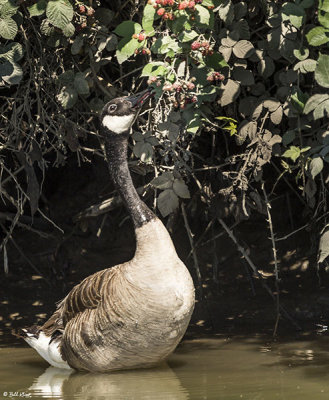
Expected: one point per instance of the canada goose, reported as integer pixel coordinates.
(131, 315)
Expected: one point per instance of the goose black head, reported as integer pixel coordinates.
(118, 114)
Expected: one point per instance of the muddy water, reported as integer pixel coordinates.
(207, 369)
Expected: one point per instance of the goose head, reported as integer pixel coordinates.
(119, 114)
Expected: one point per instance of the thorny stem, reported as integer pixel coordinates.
(275, 259)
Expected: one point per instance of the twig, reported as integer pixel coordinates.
(275, 259)
(255, 270)
(190, 236)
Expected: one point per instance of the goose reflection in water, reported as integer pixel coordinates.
(154, 384)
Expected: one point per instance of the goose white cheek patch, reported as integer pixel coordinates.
(118, 124)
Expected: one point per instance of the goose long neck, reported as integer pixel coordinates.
(116, 152)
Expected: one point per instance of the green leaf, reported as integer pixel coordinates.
(154, 69)
(12, 52)
(104, 15)
(59, 12)
(293, 13)
(323, 250)
(15, 77)
(80, 84)
(307, 3)
(66, 78)
(288, 137)
(8, 9)
(324, 19)
(216, 61)
(318, 36)
(226, 11)
(169, 129)
(202, 16)
(77, 45)
(243, 49)
(301, 54)
(187, 36)
(6, 68)
(322, 71)
(167, 202)
(144, 151)
(148, 19)
(181, 189)
(127, 29)
(305, 66)
(293, 153)
(266, 67)
(324, 5)
(46, 28)
(231, 91)
(8, 28)
(163, 181)
(298, 100)
(319, 104)
(244, 76)
(316, 166)
(126, 48)
(69, 30)
(38, 8)
(194, 124)
(67, 97)
(164, 44)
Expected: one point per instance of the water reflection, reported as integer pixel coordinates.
(159, 383)
(248, 368)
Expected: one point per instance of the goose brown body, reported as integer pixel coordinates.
(131, 315)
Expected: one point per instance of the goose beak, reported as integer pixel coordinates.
(139, 99)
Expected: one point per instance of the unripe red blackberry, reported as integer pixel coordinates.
(183, 5)
(90, 12)
(195, 45)
(82, 9)
(161, 11)
(141, 37)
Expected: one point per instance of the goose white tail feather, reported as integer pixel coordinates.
(48, 351)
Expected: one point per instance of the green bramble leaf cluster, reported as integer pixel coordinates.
(239, 84)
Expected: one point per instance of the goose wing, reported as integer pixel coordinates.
(86, 295)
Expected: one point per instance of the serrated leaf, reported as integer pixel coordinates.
(67, 97)
(127, 29)
(226, 11)
(38, 8)
(69, 30)
(293, 153)
(6, 68)
(77, 45)
(66, 78)
(104, 15)
(247, 129)
(164, 44)
(181, 189)
(316, 166)
(305, 66)
(8, 28)
(12, 52)
(317, 36)
(231, 91)
(293, 13)
(243, 49)
(276, 116)
(126, 48)
(244, 76)
(156, 68)
(301, 54)
(323, 251)
(46, 28)
(288, 137)
(202, 16)
(324, 5)
(187, 36)
(148, 19)
(266, 67)
(324, 19)
(319, 104)
(321, 73)
(167, 202)
(145, 151)
(8, 9)
(163, 181)
(169, 129)
(80, 84)
(59, 13)
(216, 61)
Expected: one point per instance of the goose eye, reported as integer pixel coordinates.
(112, 107)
